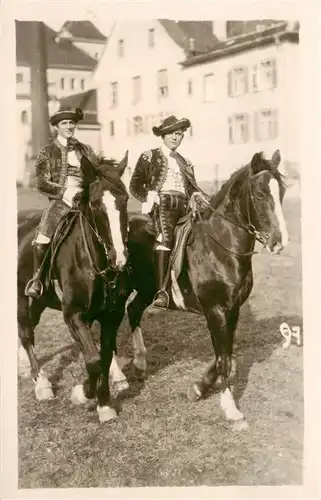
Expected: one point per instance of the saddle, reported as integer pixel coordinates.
(60, 234)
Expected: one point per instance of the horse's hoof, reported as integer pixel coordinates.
(106, 413)
(43, 389)
(239, 425)
(194, 393)
(140, 374)
(78, 396)
(121, 385)
(140, 364)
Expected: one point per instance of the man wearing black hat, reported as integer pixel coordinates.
(58, 176)
(164, 181)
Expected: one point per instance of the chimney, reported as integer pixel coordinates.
(219, 29)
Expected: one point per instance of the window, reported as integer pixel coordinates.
(237, 81)
(162, 83)
(19, 77)
(208, 87)
(112, 128)
(264, 75)
(62, 83)
(137, 89)
(138, 125)
(265, 125)
(151, 38)
(121, 48)
(72, 83)
(82, 84)
(96, 55)
(24, 116)
(189, 87)
(238, 129)
(114, 93)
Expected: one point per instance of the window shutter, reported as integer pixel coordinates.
(275, 123)
(274, 73)
(254, 78)
(246, 79)
(229, 83)
(230, 130)
(256, 126)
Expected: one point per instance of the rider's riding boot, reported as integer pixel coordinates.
(161, 298)
(34, 287)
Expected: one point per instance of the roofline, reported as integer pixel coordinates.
(264, 39)
(24, 64)
(87, 40)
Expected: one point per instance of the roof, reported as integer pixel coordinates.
(182, 31)
(87, 101)
(62, 54)
(270, 35)
(84, 30)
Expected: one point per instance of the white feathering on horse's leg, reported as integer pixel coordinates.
(78, 395)
(140, 350)
(23, 363)
(106, 413)
(117, 377)
(231, 412)
(43, 388)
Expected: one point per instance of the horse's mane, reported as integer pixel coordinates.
(105, 171)
(239, 177)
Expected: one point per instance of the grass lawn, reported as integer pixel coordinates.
(159, 438)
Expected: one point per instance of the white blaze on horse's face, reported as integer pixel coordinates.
(114, 221)
(275, 192)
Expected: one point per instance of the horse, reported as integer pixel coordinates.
(88, 280)
(216, 277)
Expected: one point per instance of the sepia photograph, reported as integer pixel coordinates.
(159, 306)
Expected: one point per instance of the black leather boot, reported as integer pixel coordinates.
(161, 298)
(34, 287)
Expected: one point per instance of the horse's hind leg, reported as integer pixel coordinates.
(28, 318)
(135, 310)
(81, 333)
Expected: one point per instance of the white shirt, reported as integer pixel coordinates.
(173, 179)
(72, 183)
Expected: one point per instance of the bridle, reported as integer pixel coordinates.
(110, 269)
(261, 237)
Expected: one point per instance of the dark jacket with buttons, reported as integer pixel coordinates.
(151, 171)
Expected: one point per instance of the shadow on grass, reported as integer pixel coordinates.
(173, 337)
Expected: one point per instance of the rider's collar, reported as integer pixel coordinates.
(62, 140)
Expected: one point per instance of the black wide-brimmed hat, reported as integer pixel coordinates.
(74, 114)
(171, 124)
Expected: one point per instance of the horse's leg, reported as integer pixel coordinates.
(135, 311)
(81, 333)
(110, 322)
(222, 328)
(28, 318)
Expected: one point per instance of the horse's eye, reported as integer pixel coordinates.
(260, 195)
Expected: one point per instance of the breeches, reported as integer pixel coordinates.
(51, 217)
(172, 207)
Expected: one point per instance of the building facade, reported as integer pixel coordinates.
(240, 92)
(69, 73)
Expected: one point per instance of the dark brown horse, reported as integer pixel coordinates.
(217, 275)
(88, 280)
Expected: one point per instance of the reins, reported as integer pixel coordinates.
(98, 272)
(249, 227)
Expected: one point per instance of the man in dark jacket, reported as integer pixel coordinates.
(164, 182)
(58, 176)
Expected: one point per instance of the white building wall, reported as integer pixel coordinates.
(139, 60)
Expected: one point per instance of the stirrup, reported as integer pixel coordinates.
(29, 285)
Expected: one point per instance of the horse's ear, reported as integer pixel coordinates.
(276, 158)
(123, 164)
(256, 162)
